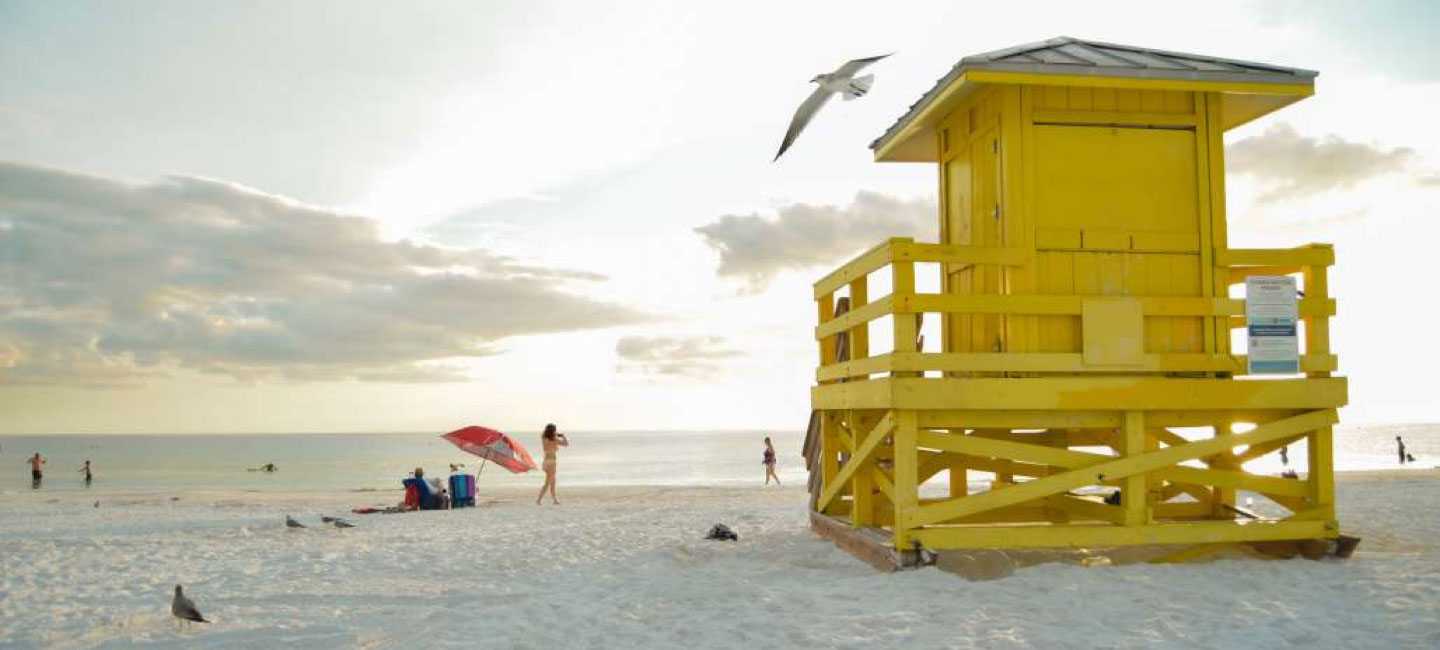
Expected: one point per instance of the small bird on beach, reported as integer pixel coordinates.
(328, 519)
(184, 609)
(291, 523)
(843, 81)
(341, 523)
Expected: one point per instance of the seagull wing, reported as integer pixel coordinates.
(807, 110)
(183, 607)
(852, 67)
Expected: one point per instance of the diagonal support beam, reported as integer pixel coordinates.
(857, 460)
(1111, 469)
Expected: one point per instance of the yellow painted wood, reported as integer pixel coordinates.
(857, 460)
(1134, 495)
(907, 472)
(1322, 470)
(1069, 363)
(1117, 468)
(1081, 535)
(1113, 332)
(1056, 193)
(1081, 394)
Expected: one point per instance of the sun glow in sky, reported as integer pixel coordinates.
(363, 216)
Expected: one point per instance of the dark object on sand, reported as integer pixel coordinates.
(1345, 545)
(341, 523)
(183, 608)
(1409, 457)
(291, 523)
(722, 532)
(328, 519)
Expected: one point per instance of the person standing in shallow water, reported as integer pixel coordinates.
(770, 462)
(552, 440)
(88, 476)
(37, 465)
(1401, 444)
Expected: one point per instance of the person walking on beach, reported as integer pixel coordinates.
(37, 463)
(552, 441)
(1401, 444)
(770, 463)
(88, 476)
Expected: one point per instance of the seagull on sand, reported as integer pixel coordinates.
(341, 523)
(291, 523)
(184, 609)
(843, 81)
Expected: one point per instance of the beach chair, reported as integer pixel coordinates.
(462, 491)
(418, 495)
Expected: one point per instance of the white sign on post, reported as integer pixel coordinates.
(1271, 313)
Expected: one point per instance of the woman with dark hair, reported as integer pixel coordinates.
(770, 463)
(552, 440)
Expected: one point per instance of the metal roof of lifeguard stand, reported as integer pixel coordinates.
(1248, 89)
(1085, 302)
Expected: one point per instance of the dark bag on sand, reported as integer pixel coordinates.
(721, 531)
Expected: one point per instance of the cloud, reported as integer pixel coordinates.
(674, 357)
(103, 281)
(1293, 166)
(804, 236)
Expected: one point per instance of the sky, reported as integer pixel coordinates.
(371, 216)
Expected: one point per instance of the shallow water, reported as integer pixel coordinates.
(309, 462)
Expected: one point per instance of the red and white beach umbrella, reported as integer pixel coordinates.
(493, 446)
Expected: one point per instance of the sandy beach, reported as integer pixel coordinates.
(626, 567)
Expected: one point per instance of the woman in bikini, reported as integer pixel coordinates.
(770, 463)
(552, 441)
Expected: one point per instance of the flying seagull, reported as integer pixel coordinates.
(183, 608)
(843, 81)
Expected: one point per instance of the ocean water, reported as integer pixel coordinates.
(309, 462)
(378, 461)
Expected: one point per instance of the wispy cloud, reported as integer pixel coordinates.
(800, 236)
(698, 356)
(1291, 165)
(103, 281)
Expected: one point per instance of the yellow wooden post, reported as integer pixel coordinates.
(826, 308)
(1317, 328)
(1322, 470)
(907, 472)
(862, 482)
(1224, 497)
(905, 325)
(1134, 493)
(830, 446)
(959, 475)
(860, 335)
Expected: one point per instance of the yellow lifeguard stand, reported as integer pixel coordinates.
(1086, 321)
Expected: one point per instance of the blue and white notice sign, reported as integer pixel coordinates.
(1270, 315)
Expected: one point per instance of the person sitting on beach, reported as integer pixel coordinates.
(88, 476)
(552, 440)
(37, 464)
(770, 463)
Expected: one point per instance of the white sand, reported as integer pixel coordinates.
(626, 568)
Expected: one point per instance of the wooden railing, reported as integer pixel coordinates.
(903, 303)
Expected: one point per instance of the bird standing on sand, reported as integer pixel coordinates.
(291, 523)
(843, 81)
(184, 609)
